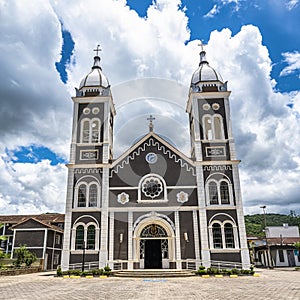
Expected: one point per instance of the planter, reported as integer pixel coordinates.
(20, 271)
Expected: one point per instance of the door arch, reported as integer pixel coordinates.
(154, 243)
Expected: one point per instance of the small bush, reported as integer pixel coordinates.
(201, 268)
(201, 272)
(235, 271)
(213, 271)
(107, 270)
(59, 272)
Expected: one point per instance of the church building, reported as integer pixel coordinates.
(154, 207)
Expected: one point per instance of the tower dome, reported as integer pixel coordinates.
(95, 78)
(206, 78)
(205, 72)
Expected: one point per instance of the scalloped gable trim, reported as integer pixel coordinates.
(142, 148)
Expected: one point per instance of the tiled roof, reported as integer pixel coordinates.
(45, 218)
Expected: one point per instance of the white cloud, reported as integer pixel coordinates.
(291, 4)
(36, 106)
(293, 61)
(215, 10)
(32, 188)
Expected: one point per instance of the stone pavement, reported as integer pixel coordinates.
(283, 284)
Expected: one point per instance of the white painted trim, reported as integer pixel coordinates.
(130, 240)
(45, 244)
(168, 187)
(177, 240)
(196, 238)
(149, 209)
(111, 237)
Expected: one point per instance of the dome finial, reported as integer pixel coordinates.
(202, 54)
(97, 58)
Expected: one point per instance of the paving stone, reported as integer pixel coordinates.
(272, 284)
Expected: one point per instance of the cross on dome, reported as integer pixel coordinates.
(202, 45)
(151, 118)
(98, 49)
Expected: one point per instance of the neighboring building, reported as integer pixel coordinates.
(277, 249)
(42, 235)
(154, 207)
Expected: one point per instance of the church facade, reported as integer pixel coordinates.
(154, 207)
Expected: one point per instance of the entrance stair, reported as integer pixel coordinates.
(154, 273)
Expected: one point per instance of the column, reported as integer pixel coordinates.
(205, 253)
(111, 239)
(177, 241)
(103, 255)
(245, 258)
(68, 220)
(130, 221)
(196, 239)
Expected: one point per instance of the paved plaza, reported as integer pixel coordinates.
(272, 284)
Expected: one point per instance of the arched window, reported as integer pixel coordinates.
(85, 136)
(90, 131)
(219, 190)
(213, 127)
(93, 194)
(213, 192)
(91, 237)
(223, 235)
(218, 127)
(79, 241)
(152, 188)
(224, 192)
(87, 194)
(95, 124)
(208, 133)
(217, 236)
(82, 195)
(229, 235)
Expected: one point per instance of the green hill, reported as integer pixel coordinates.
(255, 223)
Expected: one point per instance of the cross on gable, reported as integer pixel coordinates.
(151, 118)
(98, 49)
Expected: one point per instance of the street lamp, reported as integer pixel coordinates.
(267, 244)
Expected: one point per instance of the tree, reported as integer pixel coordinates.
(24, 256)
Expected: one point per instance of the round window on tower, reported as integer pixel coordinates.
(86, 111)
(152, 187)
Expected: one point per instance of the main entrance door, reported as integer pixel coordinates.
(153, 254)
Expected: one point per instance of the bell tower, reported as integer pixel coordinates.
(213, 151)
(88, 170)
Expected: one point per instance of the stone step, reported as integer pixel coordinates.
(154, 273)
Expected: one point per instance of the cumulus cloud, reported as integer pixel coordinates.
(293, 61)
(36, 108)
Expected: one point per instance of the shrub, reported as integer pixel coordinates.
(213, 271)
(59, 272)
(201, 268)
(107, 270)
(24, 256)
(235, 271)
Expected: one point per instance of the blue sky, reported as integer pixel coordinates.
(254, 44)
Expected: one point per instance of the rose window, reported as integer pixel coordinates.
(152, 187)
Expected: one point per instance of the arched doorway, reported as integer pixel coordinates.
(154, 246)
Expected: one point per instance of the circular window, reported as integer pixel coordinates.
(151, 158)
(216, 106)
(95, 110)
(206, 106)
(152, 187)
(86, 111)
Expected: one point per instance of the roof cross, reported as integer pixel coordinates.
(151, 118)
(202, 45)
(98, 49)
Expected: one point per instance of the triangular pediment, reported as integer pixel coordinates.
(149, 141)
